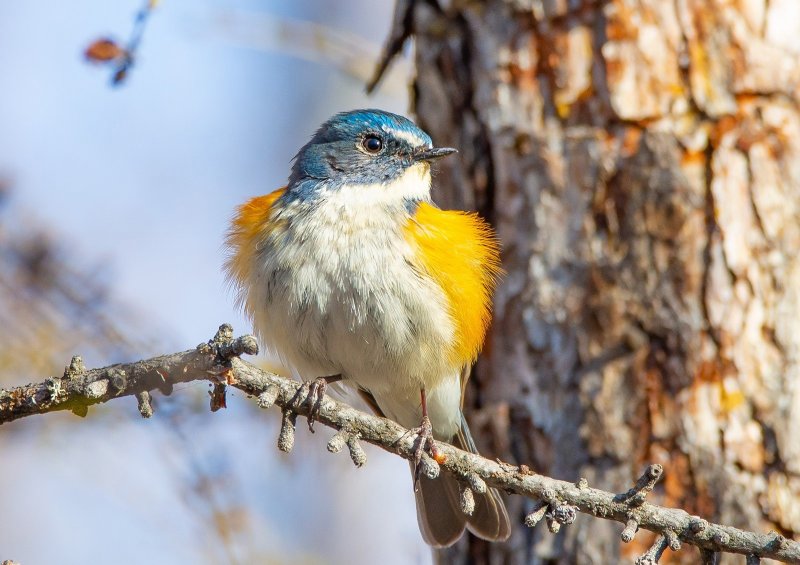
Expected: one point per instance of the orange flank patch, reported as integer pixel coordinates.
(460, 252)
(247, 226)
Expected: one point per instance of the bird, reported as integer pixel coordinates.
(352, 275)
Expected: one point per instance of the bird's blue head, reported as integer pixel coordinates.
(362, 147)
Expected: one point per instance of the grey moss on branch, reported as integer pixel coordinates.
(559, 501)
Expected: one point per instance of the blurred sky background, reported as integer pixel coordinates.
(135, 185)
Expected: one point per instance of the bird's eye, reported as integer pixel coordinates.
(372, 144)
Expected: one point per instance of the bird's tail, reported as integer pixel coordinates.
(439, 513)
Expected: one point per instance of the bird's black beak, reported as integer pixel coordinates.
(434, 154)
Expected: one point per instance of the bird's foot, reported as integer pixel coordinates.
(423, 443)
(316, 392)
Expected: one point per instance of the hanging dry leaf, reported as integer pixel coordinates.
(103, 50)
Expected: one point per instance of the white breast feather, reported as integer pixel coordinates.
(335, 294)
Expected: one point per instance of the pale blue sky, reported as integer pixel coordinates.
(143, 179)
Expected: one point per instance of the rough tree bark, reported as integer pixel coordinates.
(641, 162)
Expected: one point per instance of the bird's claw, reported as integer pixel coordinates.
(316, 392)
(423, 443)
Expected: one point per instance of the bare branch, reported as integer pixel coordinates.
(631, 526)
(145, 408)
(400, 32)
(652, 555)
(559, 500)
(636, 496)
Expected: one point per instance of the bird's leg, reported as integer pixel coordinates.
(316, 392)
(425, 440)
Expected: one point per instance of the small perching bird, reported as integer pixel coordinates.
(351, 274)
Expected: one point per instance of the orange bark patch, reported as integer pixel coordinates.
(631, 140)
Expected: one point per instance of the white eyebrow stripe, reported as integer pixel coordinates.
(407, 136)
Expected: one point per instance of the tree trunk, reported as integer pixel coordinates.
(641, 162)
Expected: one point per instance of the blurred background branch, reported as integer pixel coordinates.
(320, 43)
(349, 53)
